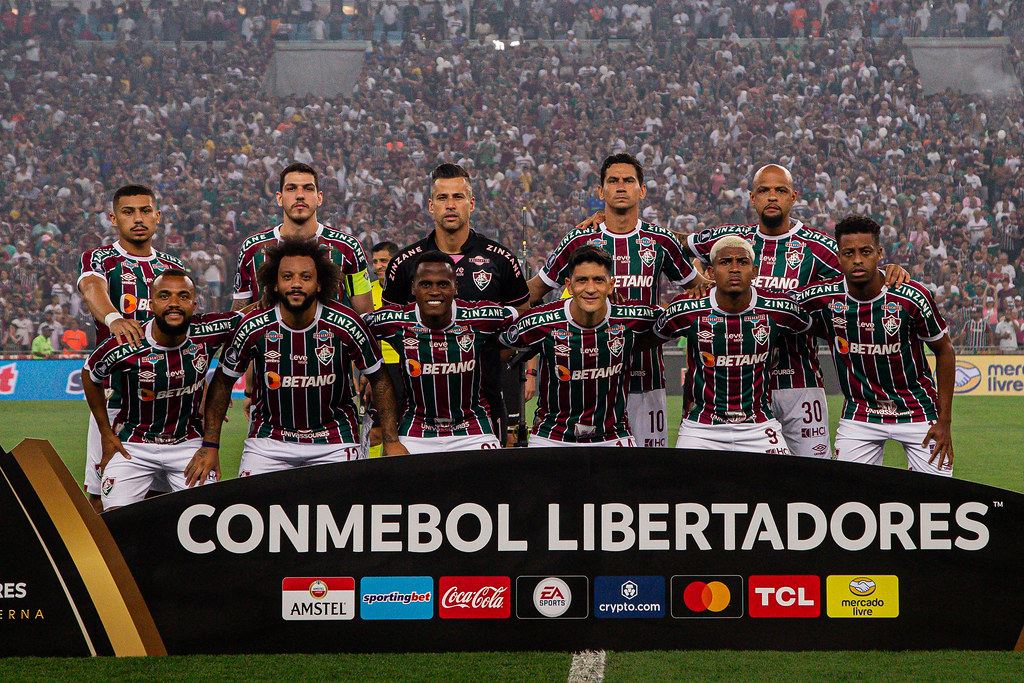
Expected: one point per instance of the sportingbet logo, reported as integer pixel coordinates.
(565, 374)
(785, 596)
(396, 597)
(474, 597)
(318, 599)
(552, 597)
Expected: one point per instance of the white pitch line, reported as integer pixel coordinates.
(587, 667)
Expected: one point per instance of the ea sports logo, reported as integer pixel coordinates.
(318, 590)
(563, 373)
(415, 368)
(713, 597)
(273, 380)
(708, 359)
(552, 597)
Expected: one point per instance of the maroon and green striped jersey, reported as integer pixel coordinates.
(345, 251)
(878, 349)
(128, 279)
(442, 369)
(728, 355)
(302, 391)
(583, 373)
(161, 388)
(785, 264)
(640, 258)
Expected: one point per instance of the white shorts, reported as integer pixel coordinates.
(443, 444)
(127, 481)
(541, 442)
(804, 417)
(262, 455)
(864, 442)
(647, 415)
(94, 453)
(757, 437)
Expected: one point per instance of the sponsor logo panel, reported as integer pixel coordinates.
(784, 596)
(862, 596)
(629, 597)
(718, 596)
(474, 597)
(318, 598)
(396, 597)
(552, 597)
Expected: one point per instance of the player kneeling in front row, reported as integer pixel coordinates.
(731, 334)
(876, 335)
(585, 344)
(161, 382)
(440, 340)
(302, 343)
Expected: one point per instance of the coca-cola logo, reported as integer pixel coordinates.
(475, 597)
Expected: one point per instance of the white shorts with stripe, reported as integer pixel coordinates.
(127, 481)
(262, 455)
(804, 416)
(541, 442)
(647, 415)
(94, 454)
(443, 444)
(864, 442)
(757, 437)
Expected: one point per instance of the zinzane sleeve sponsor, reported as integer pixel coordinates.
(100, 364)
(521, 334)
(92, 264)
(927, 322)
(355, 269)
(673, 321)
(700, 243)
(513, 284)
(364, 348)
(397, 286)
(792, 317)
(558, 259)
(238, 352)
(243, 278)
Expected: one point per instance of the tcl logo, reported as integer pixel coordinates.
(475, 597)
(785, 596)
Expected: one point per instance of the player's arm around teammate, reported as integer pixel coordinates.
(109, 442)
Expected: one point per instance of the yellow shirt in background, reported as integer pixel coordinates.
(389, 353)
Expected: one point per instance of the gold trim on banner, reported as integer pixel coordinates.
(112, 588)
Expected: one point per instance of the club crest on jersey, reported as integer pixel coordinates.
(838, 307)
(794, 254)
(481, 279)
(466, 341)
(615, 345)
(323, 335)
(199, 362)
(325, 353)
(891, 323)
(479, 260)
(761, 334)
(274, 336)
(128, 278)
(272, 357)
(647, 256)
(108, 485)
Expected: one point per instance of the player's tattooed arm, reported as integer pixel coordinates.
(98, 407)
(945, 374)
(241, 304)
(538, 290)
(384, 402)
(207, 458)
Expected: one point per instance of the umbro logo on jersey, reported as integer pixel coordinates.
(145, 376)
(705, 335)
(481, 279)
(838, 322)
(128, 278)
(325, 353)
(562, 349)
(411, 343)
(272, 356)
(466, 341)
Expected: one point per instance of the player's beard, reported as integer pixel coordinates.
(773, 221)
(298, 308)
(173, 330)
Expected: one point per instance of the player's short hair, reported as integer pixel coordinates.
(387, 246)
(858, 225)
(734, 241)
(328, 274)
(173, 272)
(789, 174)
(433, 256)
(623, 158)
(132, 190)
(446, 170)
(299, 167)
(590, 254)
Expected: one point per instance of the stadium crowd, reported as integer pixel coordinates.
(942, 173)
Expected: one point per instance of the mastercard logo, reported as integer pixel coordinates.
(714, 596)
(273, 380)
(415, 368)
(129, 304)
(842, 346)
(146, 395)
(708, 359)
(563, 373)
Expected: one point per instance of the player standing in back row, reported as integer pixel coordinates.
(641, 254)
(789, 256)
(877, 335)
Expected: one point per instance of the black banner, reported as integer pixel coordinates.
(566, 549)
